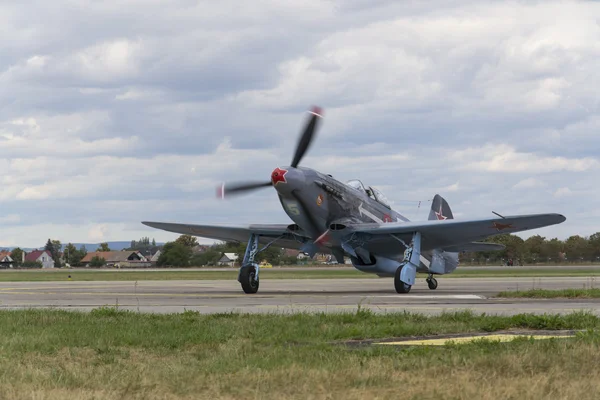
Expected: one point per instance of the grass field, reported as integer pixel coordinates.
(550, 294)
(110, 354)
(345, 273)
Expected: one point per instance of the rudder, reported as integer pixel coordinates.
(440, 209)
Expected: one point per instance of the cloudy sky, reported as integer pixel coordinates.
(112, 113)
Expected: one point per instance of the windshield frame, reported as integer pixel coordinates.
(380, 197)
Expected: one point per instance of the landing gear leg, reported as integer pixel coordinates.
(248, 275)
(407, 271)
(431, 282)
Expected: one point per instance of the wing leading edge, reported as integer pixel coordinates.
(237, 233)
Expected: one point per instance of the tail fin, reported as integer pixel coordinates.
(440, 209)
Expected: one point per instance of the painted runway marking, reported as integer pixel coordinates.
(433, 296)
(469, 339)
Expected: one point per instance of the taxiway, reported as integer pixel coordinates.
(295, 295)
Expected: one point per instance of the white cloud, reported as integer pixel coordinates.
(563, 192)
(504, 158)
(97, 233)
(528, 183)
(112, 114)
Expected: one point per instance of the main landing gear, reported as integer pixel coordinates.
(407, 271)
(248, 275)
(248, 278)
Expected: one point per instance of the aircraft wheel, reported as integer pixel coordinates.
(248, 279)
(432, 283)
(400, 286)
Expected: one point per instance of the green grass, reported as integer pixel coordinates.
(266, 273)
(523, 272)
(591, 293)
(111, 354)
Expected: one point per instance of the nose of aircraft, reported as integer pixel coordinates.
(286, 179)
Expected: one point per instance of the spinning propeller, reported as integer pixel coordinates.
(304, 142)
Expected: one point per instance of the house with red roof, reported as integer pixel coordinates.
(43, 256)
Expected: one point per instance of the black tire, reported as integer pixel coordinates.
(432, 283)
(400, 286)
(248, 279)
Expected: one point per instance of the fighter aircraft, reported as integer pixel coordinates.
(356, 221)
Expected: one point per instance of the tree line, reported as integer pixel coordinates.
(538, 250)
(180, 252)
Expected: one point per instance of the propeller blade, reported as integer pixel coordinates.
(307, 136)
(239, 188)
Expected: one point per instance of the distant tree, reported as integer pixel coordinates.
(552, 249)
(594, 243)
(289, 260)
(103, 247)
(208, 257)
(32, 264)
(97, 261)
(175, 254)
(577, 249)
(57, 245)
(17, 255)
(272, 254)
(53, 247)
(49, 246)
(187, 240)
(144, 244)
(73, 256)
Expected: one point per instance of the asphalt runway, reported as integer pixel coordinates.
(294, 295)
(340, 268)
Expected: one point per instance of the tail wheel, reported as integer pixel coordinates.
(248, 279)
(432, 283)
(400, 286)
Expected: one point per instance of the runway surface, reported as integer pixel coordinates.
(283, 295)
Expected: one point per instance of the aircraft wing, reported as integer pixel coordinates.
(452, 234)
(238, 233)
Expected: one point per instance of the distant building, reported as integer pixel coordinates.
(154, 258)
(124, 258)
(5, 259)
(43, 256)
(228, 259)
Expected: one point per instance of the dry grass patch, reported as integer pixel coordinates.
(114, 355)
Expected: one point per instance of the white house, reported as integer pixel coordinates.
(42, 256)
(228, 259)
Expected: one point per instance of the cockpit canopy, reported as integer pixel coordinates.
(371, 192)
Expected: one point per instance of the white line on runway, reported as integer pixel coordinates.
(441, 296)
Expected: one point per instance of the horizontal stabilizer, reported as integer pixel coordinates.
(475, 246)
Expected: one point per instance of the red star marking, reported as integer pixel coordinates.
(278, 175)
(439, 214)
(500, 226)
(387, 218)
